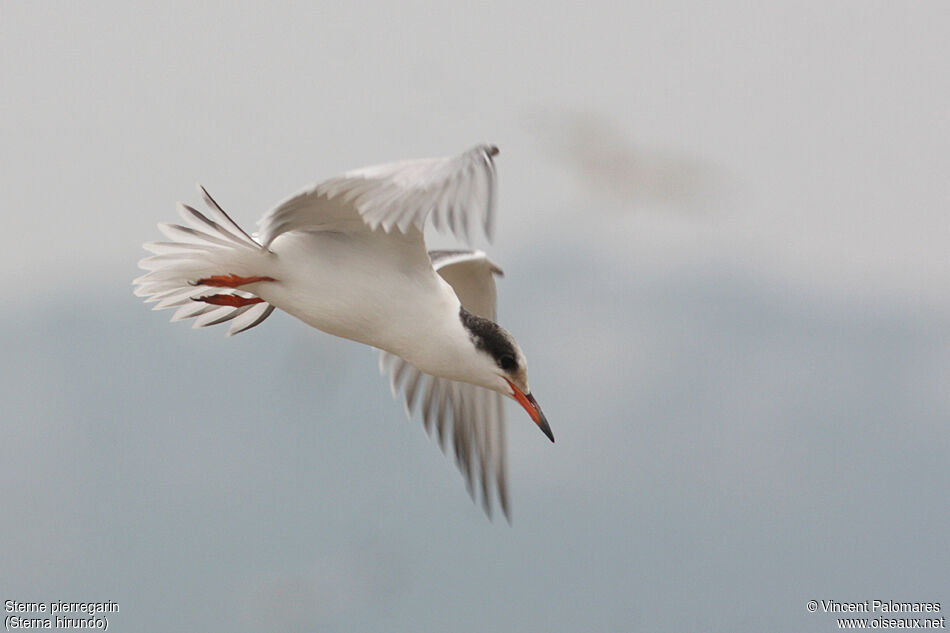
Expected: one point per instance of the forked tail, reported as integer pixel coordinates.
(207, 270)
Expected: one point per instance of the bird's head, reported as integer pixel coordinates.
(502, 365)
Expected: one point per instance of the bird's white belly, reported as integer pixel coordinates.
(365, 290)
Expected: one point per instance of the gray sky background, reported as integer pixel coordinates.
(726, 243)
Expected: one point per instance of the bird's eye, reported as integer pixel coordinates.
(507, 362)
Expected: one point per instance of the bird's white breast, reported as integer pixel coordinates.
(373, 288)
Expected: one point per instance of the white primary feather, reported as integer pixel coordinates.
(398, 195)
(472, 416)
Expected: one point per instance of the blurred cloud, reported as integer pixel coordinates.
(607, 164)
(743, 426)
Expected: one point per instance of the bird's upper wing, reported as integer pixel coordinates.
(472, 276)
(473, 416)
(455, 190)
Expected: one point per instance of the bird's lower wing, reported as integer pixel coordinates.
(473, 417)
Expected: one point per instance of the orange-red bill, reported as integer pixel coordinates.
(534, 410)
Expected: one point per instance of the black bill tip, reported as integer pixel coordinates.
(545, 428)
(541, 420)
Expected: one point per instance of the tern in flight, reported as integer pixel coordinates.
(348, 257)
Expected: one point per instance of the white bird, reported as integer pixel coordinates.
(348, 257)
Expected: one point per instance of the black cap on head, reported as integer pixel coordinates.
(489, 337)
